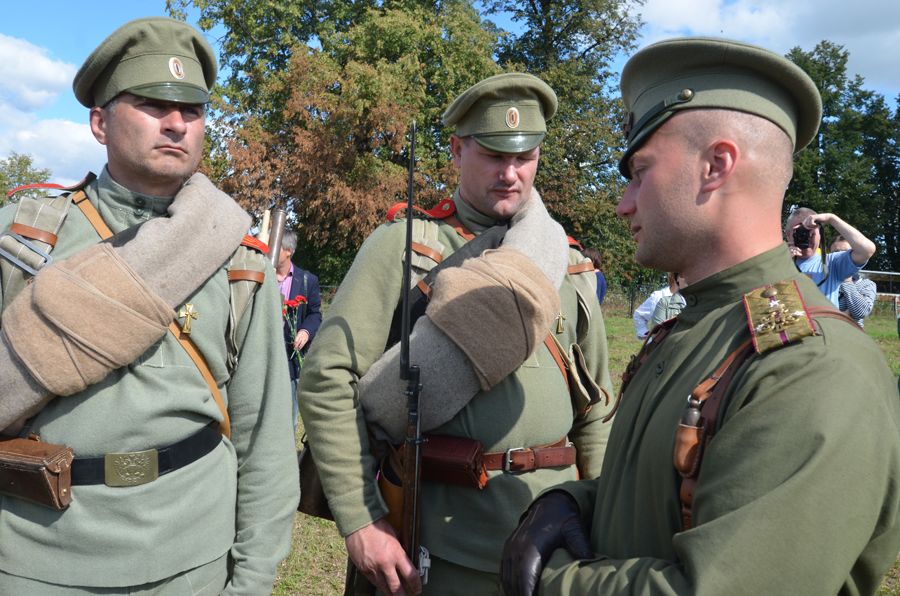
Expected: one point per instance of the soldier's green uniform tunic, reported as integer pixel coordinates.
(239, 499)
(798, 491)
(530, 407)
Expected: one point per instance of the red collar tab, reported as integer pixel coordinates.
(52, 186)
(442, 210)
(256, 244)
(575, 243)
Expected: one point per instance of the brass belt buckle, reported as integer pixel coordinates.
(131, 469)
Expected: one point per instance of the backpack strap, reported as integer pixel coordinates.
(26, 246)
(786, 319)
(246, 273)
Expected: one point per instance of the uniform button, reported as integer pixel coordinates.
(139, 212)
(691, 300)
(660, 366)
(140, 202)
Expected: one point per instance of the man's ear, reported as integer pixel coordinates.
(456, 144)
(99, 122)
(720, 161)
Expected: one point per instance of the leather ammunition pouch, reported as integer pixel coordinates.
(35, 471)
(454, 460)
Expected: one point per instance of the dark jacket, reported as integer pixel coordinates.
(309, 315)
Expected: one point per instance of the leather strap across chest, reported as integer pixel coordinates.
(699, 422)
(80, 199)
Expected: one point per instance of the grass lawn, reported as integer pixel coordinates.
(317, 561)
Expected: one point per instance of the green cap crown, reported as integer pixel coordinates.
(154, 57)
(507, 113)
(701, 72)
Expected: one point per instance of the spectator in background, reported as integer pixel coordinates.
(594, 255)
(669, 306)
(803, 233)
(301, 324)
(643, 314)
(856, 295)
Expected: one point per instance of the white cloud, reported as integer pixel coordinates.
(31, 81)
(67, 148)
(30, 78)
(868, 29)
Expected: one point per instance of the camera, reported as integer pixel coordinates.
(801, 237)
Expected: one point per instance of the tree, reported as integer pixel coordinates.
(851, 167)
(329, 139)
(17, 170)
(571, 45)
(318, 97)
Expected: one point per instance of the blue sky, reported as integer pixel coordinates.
(43, 42)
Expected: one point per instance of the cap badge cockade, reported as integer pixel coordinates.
(176, 67)
(512, 117)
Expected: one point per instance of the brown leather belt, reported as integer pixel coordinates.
(524, 459)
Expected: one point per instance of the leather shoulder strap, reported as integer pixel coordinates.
(418, 297)
(700, 419)
(246, 273)
(93, 216)
(651, 342)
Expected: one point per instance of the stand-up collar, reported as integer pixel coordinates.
(122, 208)
(728, 286)
(472, 218)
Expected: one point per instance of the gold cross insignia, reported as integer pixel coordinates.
(559, 323)
(187, 313)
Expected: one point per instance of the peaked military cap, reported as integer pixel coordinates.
(154, 57)
(703, 72)
(507, 113)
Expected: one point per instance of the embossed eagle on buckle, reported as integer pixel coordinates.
(131, 469)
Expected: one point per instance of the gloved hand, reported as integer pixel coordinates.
(553, 521)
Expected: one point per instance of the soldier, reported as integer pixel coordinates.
(488, 378)
(796, 493)
(180, 485)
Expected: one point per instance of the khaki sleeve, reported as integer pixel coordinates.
(352, 337)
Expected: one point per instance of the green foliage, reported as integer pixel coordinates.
(322, 127)
(852, 167)
(17, 170)
(571, 46)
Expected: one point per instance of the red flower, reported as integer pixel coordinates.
(296, 301)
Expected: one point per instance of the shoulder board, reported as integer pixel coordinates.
(442, 210)
(574, 243)
(52, 186)
(256, 244)
(777, 316)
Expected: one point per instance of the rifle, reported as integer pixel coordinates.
(411, 452)
(412, 447)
